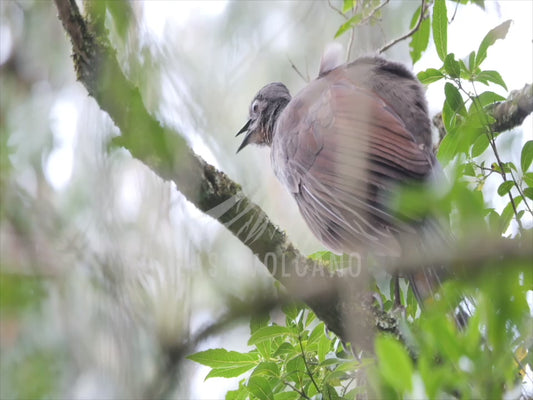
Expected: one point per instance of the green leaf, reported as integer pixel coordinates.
(527, 156)
(490, 38)
(225, 363)
(420, 39)
(528, 192)
(295, 369)
(480, 145)
(394, 363)
(440, 28)
(490, 76)
(227, 372)
(528, 178)
(486, 98)
(20, 292)
(430, 75)
(448, 118)
(258, 321)
(464, 71)
(329, 393)
(451, 66)
(472, 61)
(348, 5)
(324, 347)
(286, 396)
(260, 387)
(268, 333)
(317, 333)
(454, 99)
(349, 25)
(505, 187)
(508, 214)
(239, 394)
(293, 311)
(285, 348)
(479, 3)
(267, 368)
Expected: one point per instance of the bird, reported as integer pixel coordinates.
(344, 145)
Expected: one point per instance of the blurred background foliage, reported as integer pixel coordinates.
(104, 267)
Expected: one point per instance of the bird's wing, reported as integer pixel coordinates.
(340, 149)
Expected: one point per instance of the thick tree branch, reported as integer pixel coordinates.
(507, 114)
(168, 155)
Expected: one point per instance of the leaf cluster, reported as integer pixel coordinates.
(297, 359)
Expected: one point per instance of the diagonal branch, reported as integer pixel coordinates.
(212, 191)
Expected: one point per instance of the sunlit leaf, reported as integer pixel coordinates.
(480, 145)
(528, 178)
(440, 28)
(486, 98)
(451, 66)
(286, 395)
(472, 61)
(491, 76)
(527, 155)
(348, 5)
(267, 368)
(505, 187)
(420, 39)
(260, 388)
(269, 332)
(225, 363)
(348, 25)
(454, 99)
(490, 38)
(430, 75)
(394, 363)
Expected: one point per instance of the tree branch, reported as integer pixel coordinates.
(212, 191)
(423, 16)
(337, 300)
(507, 114)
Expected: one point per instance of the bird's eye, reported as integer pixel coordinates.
(255, 108)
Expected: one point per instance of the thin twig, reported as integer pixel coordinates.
(454, 12)
(306, 365)
(336, 10)
(411, 32)
(300, 392)
(374, 11)
(492, 141)
(294, 67)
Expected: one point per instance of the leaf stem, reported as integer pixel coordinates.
(306, 365)
(492, 141)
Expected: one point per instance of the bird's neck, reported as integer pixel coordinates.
(271, 120)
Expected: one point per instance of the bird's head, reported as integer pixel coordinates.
(265, 109)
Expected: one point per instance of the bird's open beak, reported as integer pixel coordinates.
(246, 137)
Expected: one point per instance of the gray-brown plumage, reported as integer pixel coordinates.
(342, 146)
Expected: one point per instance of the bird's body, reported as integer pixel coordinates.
(342, 146)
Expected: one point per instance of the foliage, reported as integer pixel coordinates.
(289, 361)
(485, 358)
